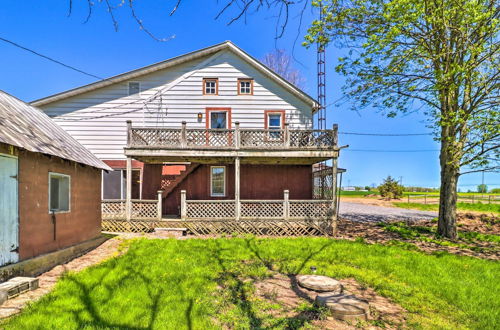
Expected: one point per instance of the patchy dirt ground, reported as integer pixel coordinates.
(47, 280)
(284, 291)
(425, 238)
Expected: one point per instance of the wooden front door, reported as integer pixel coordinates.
(9, 220)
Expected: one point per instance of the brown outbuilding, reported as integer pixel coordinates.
(50, 189)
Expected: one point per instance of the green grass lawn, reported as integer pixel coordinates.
(493, 208)
(205, 284)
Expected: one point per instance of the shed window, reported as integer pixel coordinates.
(134, 87)
(59, 192)
(245, 86)
(218, 181)
(210, 86)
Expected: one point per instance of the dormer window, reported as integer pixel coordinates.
(210, 86)
(245, 86)
(134, 87)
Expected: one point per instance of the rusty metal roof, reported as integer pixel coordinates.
(27, 127)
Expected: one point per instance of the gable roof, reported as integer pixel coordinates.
(227, 45)
(27, 127)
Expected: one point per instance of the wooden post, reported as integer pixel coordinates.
(287, 136)
(160, 193)
(237, 188)
(425, 199)
(183, 205)
(183, 135)
(128, 196)
(286, 205)
(129, 133)
(237, 135)
(408, 198)
(335, 130)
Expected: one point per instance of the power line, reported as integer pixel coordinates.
(50, 59)
(385, 134)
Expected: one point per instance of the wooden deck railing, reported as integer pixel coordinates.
(286, 209)
(184, 138)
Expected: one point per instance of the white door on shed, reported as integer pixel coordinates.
(9, 222)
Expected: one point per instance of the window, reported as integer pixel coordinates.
(210, 86)
(114, 184)
(245, 87)
(218, 119)
(59, 192)
(134, 87)
(218, 181)
(274, 121)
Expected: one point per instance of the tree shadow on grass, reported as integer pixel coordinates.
(90, 303)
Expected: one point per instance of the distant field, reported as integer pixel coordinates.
(495, 208)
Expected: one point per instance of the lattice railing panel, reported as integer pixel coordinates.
(322, 183)
(113, 209)
(312, 139)
(155, 137)
(270, 138)
(214, 138)
(144, 209)
(141, 209)
(214, 209)
(309, 209)
(261, 209)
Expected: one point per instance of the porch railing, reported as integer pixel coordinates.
(140, 209)
(285, 209)
(246, 139)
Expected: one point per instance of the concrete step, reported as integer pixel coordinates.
(15, 286)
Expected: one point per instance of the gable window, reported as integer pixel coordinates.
(217, 181)
(245, 86)
(210, 86)
(59, 192)
(134, 87)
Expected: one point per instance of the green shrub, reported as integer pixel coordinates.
(390, 188)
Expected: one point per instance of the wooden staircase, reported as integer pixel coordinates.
(170, 182)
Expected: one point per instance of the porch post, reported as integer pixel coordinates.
(128, 196)
(287, 135)
(183, 135)
(286, 205)
(237, 135)
(335, 129)
(129, 133)
(237, 187)
(183, 205)
(160, 192)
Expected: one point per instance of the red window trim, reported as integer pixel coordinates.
(207, 116)
(266, 114)
(216, 86)
(251, 86)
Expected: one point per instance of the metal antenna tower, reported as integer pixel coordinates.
(321, 117)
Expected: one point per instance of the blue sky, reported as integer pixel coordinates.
(96, 48)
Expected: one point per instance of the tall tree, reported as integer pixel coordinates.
(437, 56)
(281, 63)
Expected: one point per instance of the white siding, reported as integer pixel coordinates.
(171, 96)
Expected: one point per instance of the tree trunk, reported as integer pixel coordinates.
(447, 223)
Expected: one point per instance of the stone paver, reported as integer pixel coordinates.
(372, 213)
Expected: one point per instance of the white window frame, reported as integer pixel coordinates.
(56, 174)
(211, 181)
(134, 82)
(269, 114)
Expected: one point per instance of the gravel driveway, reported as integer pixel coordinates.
(365, 212)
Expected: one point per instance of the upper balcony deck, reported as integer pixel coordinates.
(244, 142)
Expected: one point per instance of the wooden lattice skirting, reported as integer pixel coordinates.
(219, 227)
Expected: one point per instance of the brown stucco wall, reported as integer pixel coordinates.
(36, 226)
